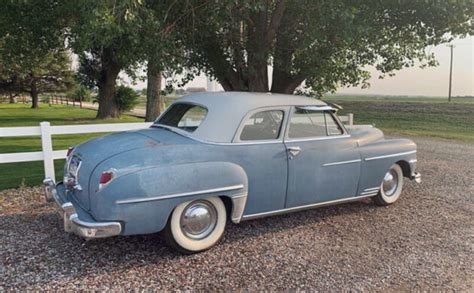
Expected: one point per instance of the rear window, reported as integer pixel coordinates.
(187, 117)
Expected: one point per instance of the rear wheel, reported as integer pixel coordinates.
(196, 226)
(391, 186)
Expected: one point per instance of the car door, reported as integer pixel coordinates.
(259, 149)
(323, 159)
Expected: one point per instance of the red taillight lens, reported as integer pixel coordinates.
(69, 151)
(106, 177)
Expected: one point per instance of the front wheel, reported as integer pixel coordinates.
(196, 225)
(391, 186)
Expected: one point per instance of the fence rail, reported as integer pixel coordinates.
(45, 130)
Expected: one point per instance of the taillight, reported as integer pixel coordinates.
(106, 177)
(69, 151)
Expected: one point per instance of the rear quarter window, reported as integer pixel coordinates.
(187, 117)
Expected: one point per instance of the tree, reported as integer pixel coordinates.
(165, 52)
(318, 44)
(50, 74)
(32, 54)
(106, 35)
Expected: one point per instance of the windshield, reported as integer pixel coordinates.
(184, 116)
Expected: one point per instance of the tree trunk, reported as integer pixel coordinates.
(284, 83)
(258, 52)
(34, 95)
(107, 106)
(12, 98)
(155, 103)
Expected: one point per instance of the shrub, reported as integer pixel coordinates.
(79, 92)
(126, 98)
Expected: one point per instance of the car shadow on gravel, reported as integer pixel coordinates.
(39, 236)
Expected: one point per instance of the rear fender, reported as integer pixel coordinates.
(144, 199)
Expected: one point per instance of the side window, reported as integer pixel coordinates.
(333, 127)
(263, 125)
(305, 123)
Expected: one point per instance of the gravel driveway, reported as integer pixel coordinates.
(423, 242)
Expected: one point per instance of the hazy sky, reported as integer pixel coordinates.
(413, 81)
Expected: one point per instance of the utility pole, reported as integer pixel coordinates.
(451, 46)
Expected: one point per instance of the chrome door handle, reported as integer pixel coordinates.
(294, 151)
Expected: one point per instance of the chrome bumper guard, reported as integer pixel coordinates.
(416, 176)
(72, 223)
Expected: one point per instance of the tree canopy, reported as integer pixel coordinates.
(324, 44)
(33, 57)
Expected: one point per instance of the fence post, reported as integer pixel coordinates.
(351, 119)
(47, 146)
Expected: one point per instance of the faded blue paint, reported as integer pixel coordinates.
(157, 162)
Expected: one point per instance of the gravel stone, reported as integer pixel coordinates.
(424, 242)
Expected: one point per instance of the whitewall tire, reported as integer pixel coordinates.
(196, 225)
(391, 186)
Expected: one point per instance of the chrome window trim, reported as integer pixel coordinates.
(316, 108)
(390, 156)
(304, 207)
(162, 197)
(342, 163)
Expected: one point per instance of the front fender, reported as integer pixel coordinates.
(378, 157)
(144, 199)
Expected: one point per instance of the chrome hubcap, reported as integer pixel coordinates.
(390, 182)
(198, 220)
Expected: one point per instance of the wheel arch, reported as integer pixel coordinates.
(406, 169)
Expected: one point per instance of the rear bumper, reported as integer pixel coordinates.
(72, 223)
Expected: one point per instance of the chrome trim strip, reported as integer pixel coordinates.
(390, 156)
(372, 188)
(341, 163)
(309, 206)
(162, 197)
(318, 138)
(370, 193)
(239, 195)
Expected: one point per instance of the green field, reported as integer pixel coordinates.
(419, 116)
(31, 173)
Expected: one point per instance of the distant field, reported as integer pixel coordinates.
(31, 173)
(423, 116)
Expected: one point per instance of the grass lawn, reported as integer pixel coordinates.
(31, 173)
(423, 116)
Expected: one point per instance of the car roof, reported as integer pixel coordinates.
(227, 109)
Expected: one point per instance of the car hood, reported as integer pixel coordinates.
(95, 151)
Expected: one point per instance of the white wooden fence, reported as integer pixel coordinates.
(45, 130)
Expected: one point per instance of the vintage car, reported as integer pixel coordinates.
(211, 157)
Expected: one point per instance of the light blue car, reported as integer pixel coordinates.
(217, 156)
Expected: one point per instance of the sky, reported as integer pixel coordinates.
(432, 81)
